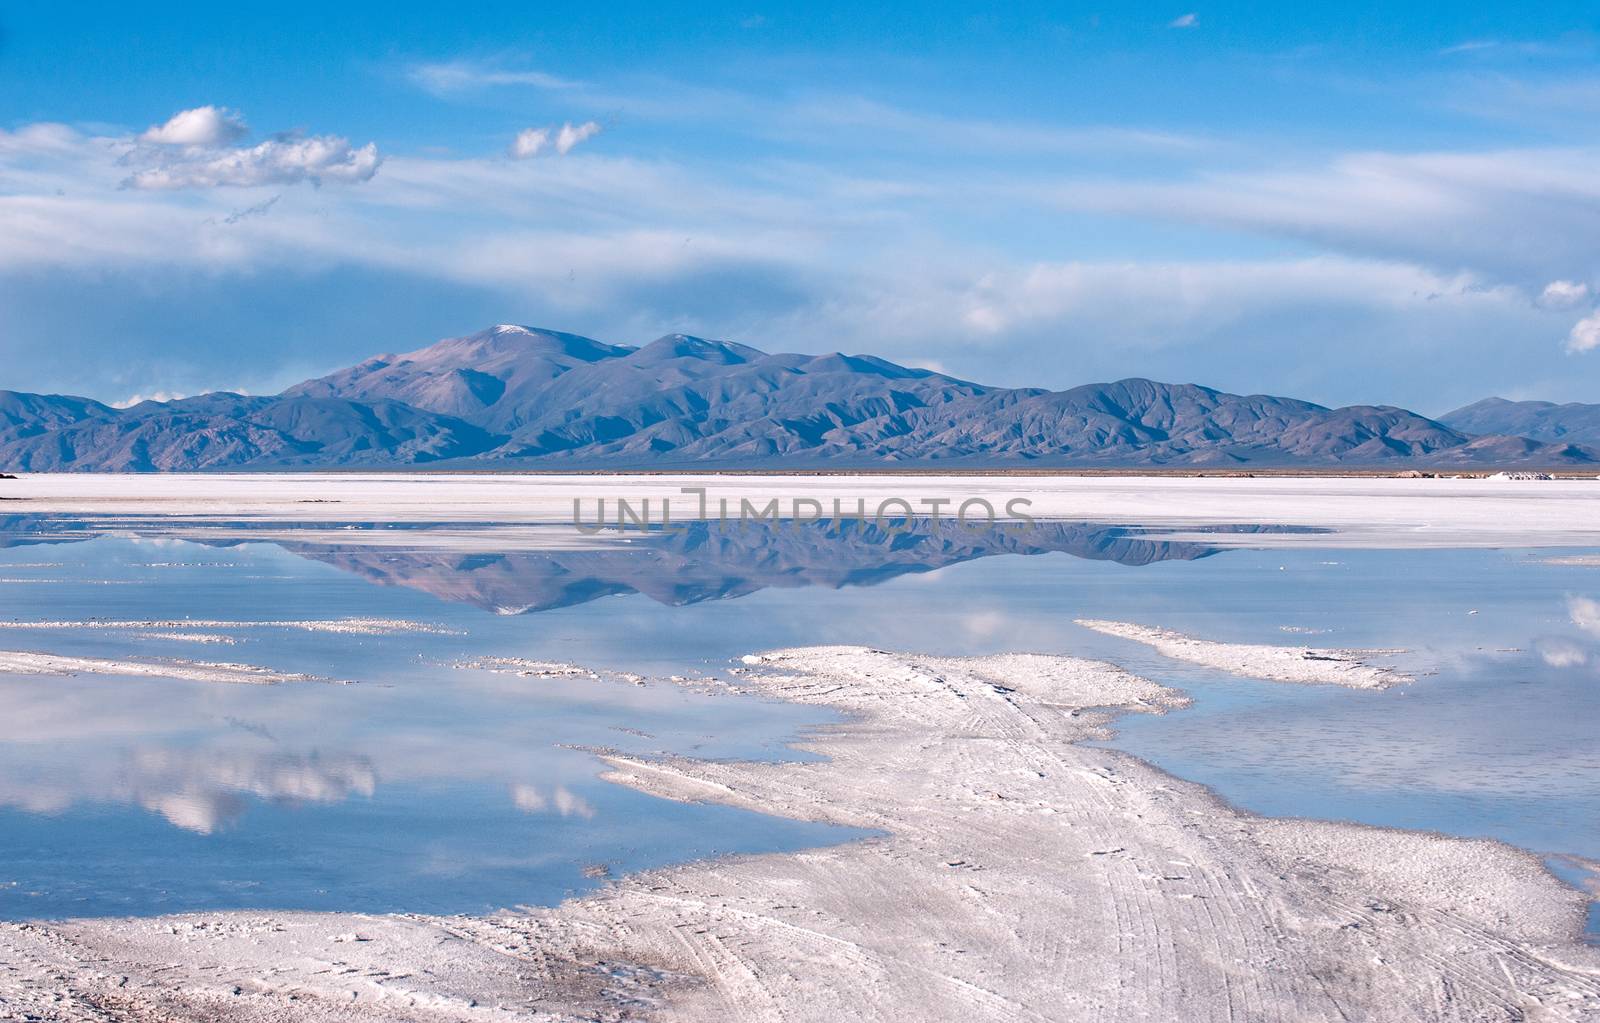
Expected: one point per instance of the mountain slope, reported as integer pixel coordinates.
(27, 415)
(1573, 422)
(514, 396)
(1145, 422)
(690, 399)
(490, 378)
(230, 431)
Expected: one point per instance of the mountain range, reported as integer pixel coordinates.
(516, 397)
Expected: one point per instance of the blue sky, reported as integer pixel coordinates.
(1380, 203)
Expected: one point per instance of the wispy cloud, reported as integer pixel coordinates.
(816, 117)
(453, 77)
(1471, 46)
(1568, 45)
(1190, 20)
(865, 123)
(1162, 303)
(1526, 215)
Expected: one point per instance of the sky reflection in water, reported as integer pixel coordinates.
(435, 788)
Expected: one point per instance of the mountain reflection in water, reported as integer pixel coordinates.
(696, 561)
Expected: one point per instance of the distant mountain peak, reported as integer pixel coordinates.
(687, 346)
(515, 337)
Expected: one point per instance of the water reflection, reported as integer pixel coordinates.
(707, 561)
(427, 786)
(1494, 743)
(201, 790)
(697, 561)
(435, 786)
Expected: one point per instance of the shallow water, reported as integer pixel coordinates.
(433, 787)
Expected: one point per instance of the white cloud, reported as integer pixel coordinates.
(193, 149)
(157, 396)
(529, 143)
(285, 161)
(1585, 334)
(570, 135)
(1563, 294)
(1190, 20)
(202, 126)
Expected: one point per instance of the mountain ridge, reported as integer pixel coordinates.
(514, 397)
(1571, 422)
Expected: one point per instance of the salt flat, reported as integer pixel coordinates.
(1305, 665)
(1019, 876)
(1361, 511)
(25, 662)
(1017, 873)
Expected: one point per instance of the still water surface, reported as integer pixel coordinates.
(433, 787)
